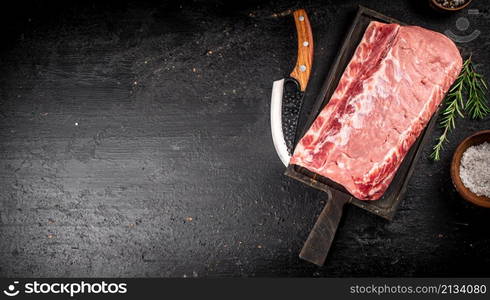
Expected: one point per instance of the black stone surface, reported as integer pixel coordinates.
(135, 141)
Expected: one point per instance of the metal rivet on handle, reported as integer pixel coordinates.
(302, 68)
(305, 43)
(301, 18)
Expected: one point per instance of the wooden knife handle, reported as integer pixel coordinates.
(320, 239)
(302, 70)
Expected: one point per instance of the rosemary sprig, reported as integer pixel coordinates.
(454, 106)
(469, 85)
(476, 105)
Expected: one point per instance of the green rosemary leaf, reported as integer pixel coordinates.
(466, 96)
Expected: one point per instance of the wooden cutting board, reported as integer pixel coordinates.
(321, 237)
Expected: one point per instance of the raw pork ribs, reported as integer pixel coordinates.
(387, 94)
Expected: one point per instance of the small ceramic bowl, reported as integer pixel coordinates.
(434, 4)
(475, 139)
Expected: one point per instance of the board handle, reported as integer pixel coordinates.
(304, 63)
(316, 247)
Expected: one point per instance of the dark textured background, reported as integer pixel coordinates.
(171, 170)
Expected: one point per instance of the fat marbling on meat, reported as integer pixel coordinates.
(387, 94)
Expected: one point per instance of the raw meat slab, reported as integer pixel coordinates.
(387, 94)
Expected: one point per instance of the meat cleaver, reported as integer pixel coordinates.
(287, 93)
